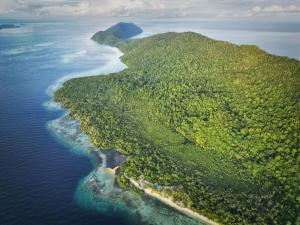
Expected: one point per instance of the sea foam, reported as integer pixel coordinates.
(26, 49)
(20, 50)
(17, 31)
(44, 44)
(68, 58)
(113, 65)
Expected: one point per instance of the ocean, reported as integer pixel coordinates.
(49, 173)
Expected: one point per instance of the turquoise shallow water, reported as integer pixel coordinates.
(48, 174)
(98, 190)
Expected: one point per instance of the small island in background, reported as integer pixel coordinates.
(210, 125)
(117, 33)
(9, 26)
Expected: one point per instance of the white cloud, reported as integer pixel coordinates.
(274, 9)
(146, 8)
(99, 7)
(50, 7)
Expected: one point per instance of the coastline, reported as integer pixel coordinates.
(188, 212)
(172, 204)
(113, 65)
(111, 168)
(99, 190)
(106, 163)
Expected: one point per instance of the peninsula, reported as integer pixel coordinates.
(209, 124)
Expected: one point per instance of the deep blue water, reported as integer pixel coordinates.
(39, 175)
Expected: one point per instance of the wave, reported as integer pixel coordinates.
(113, 65)
(51, 105)
(21, 30)
(68, 58)
(45, 44)
(20, 50)
(27, 49)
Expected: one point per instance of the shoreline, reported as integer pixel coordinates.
(113, 65)
(99, 186)
(186, 211)
(112, 168)
(110, 160)
(172, 204)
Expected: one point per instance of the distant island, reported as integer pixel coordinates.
(9, 26)
(209, 125)
(117, 32)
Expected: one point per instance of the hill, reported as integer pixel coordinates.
(215, 125)
(116, 33)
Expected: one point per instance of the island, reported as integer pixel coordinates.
(211, 126)
(9, 26)
(116, 33)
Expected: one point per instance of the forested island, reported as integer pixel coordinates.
(117, 33)
(212, 125)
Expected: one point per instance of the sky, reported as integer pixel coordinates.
(149, 8)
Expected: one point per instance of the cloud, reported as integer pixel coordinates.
(50, 8)
(291, 10)
(142, 7)
(274, 9)
(146, 8)
(99, 7)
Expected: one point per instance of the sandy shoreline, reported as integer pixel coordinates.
(172, 204)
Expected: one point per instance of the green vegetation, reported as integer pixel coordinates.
(217, 122)
(116, 33)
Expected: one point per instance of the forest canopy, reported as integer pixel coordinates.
(217, 122)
